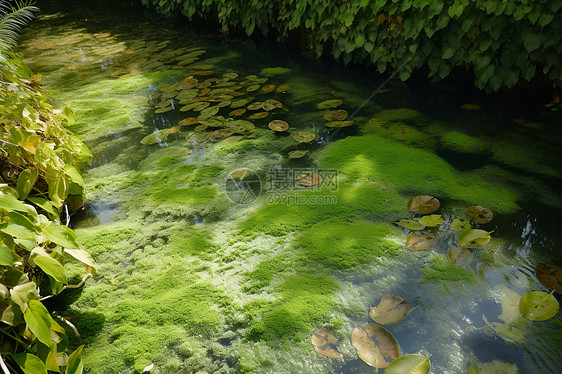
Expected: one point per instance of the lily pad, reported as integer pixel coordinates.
(538, 305)
(309, 179)
(163, 110)
(259, 115)
(230, 76)
(336, 115)
(550, 276)
(458, 225)
(237, 112)
(433, 220)
(375, 345)
(297, 154)
(324, 343)
(268, 88)
(283, 88)
(329, 104)
(479, 214)
(494, 367)
(474, 238)
(409, 364)
(304, 136)
(156, 137)
(459, 256)
(390, 310)
(509, 333)
(208, 112)
(267, 106)
(410, 224)
(204, 72)
(239, 103)
(187, 94)
(256, 106)
(218, 135)
(240, 126)
(278, 125)
(423, 204)
(275, 103)
(338, 124)
(420, 241)
(253, 87)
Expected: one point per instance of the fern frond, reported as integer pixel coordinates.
(12, 20)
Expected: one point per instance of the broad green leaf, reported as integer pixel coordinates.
(81, 256)
(30, 364)
(329, 104)
(474, 238)
(45, 205)
(390, 310)
(458, 225)
(324, 343)
(433, 220)
(409, 364)
(26, 181)
(375, 345)
(60, 235)
(419, 241)
(550, 276)
(74, 175)
(409, 224)
(75, 365)
(23, 293)
(423, 204)
(37, 318)
(494, 367)
(531, 41)
(6, 258)
(48, 264)
(19, 227)
(8, 201)
(538, 305)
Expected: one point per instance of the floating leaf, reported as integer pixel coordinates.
(423, 204)
(175, 129)
(237, 112)
(419, 241)
(297, 154)
(156, 137)
(324, 343)
(459, 256)
(259, 115)
(239, 103)
(208, 112)
(338, 124)
(283, 88)
(253, 87)
(471, 107)
(391, 310)
(268, 88)
(509, 333)
(217, 135)
(267, 106)
(204, 72)
(550, 276)
(479, 214)
(309, 179)
(410, 224)
(304, 136)
(375, 345)
(328, 104)
(163, 110)
(458, 225)
(409, 364)
(494, 367)
(275, 103)
(278, 125)
(474, 238)
(336, 115)
(510, 305)
(538, 305)
(433, 220)
(188, 121)
(255, 106)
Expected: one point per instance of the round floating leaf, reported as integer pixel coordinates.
(267, 106)
(391, 310)
(459, 256)
(494, 367)
(297, 154)
(218, 135)
(304, 136)
(237, 112)
(423, 204)
(309, 179)
(538, 305)
(283, 88)
(474, 238)
(410, 224)
(255, 106)
(268, 88)
(324, 343)
(433, 220)
(188, 121)
(375, 345)
(204, 73)
(253, 87)
(509, 333)
(409, 364)
(479, 214)
(329, 104)
(458, 225)
(550, 276)
(259, 115)
(471, 107)
(336, 115)
(278, 125)
(230, 75)
(338, 124)
(275, 103)
(419, 241)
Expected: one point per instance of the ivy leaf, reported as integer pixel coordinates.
(37, 318)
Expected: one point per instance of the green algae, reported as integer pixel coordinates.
(460, 142)
(270, 72)
(436, 268)
(401, 114)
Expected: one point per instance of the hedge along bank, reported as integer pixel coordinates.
(502, 42)
(40, 164)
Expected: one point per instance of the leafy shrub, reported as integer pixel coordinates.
(503, 42)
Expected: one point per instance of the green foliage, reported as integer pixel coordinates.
(502, 42)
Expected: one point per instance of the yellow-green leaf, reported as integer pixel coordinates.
(433, 220)
(494, 367)
(410, 224)
(390, 310)
(30, 364)
(409, 364)
(538, 305)
(37, 318)
(473, 238)
(26, 181)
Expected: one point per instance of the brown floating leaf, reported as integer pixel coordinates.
(283, 88)
(175, 129)
(304, 136)
(471, 106)
(459, 256)
(237, 112)
(324, 343)
(275, 103)
(479, 214)
(550, 276)
(268, 88)
(267, 106)
(278, 125)
(423, 204)
(204, 72)
(328, 104)
(391, 309)
(419, 241)
(259, 115)
(309, 179)
(336, 115)
(217, 135)
(188, 121)
(339, 124)
(375, 345)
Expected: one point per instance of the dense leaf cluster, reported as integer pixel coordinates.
(502, 42)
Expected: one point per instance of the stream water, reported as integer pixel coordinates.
(192, 281)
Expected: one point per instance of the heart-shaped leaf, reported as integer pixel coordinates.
(433, 220)
(550, 276)
(391, 309)
(324, 343)
(423, 204)
(458, 225)
(409, 224)
(474, 238)
(409, 364)
(479, 214)
(538, 305)
(459, 256)
(494, 367)
(375, 345)
(420, 241)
